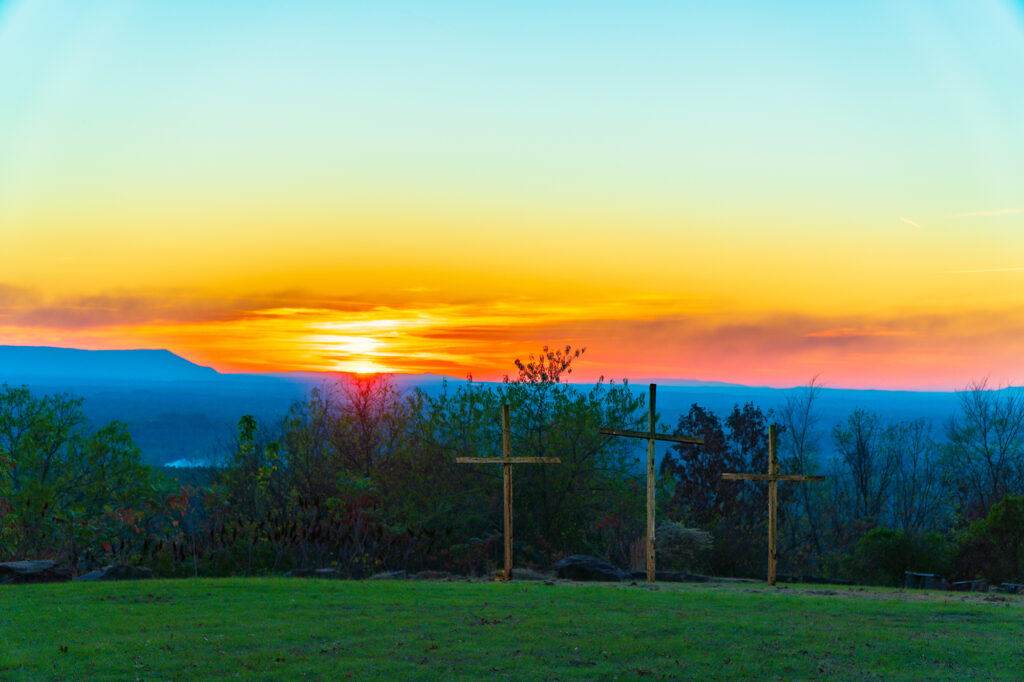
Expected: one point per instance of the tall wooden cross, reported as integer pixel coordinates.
(506, 461)
(773, 477)
(651, 436)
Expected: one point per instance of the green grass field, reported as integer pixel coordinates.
(279, 628)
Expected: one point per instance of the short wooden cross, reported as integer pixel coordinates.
(773, 477)
(651, 436)
(506, 461)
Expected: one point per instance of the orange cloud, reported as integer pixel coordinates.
(855, 332)
(638, 338)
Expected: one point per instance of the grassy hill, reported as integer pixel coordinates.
(279, 628)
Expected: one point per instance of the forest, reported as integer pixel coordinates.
(362, 478)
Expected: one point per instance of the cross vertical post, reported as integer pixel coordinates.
(651, 436)
(506, 461)
(772, 477)
(506, 471)
(773, 506)
(651, 568)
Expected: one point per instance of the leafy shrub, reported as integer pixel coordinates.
(883, 555)
(993, 547)
(681, 548)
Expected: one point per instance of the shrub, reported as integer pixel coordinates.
(681, 548)
(882, 556)
(993, 547)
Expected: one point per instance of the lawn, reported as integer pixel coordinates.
(280, 628)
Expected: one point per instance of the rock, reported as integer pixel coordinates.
(34, 571)
(586, 568)
(118, 573)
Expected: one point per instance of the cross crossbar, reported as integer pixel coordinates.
(769, 477)
(772, 477)
(508, 460)
(652, 436)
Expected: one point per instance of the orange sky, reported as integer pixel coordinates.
(733, 193)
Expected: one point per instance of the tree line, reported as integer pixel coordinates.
(362, 478)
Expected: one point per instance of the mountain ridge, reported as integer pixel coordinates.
(114, 365)
(180, 411)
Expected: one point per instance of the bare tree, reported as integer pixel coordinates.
(918, 499)
(867, 461)
(986, 447)
(799, 444)
(367, 420)
(800, 418)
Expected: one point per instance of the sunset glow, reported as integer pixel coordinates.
(730, 191)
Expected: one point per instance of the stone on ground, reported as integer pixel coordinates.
(33, 571)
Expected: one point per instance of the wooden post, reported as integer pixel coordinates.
(651, 555)
(772, 477)
(651, 436)
(506, 466)
(507, 460)
(773, 506)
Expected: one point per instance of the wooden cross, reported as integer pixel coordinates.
(506, 461)
(651, 436)
(773, 477)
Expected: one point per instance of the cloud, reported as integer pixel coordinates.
(769, 336)
(114, 310)
(855, 332)
(885, 349)
(1002, 211)
(20, 306)
(11, 295)
(908, 221)
(302, 331)
(982, 271)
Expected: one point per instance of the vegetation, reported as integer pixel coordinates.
(730, 510)
(361, 478)
(993, 547)
(680, 548)
(65, 489)
(208, 629)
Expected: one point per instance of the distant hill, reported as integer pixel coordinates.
(180, 412)
(40, 363)
(832, 404)
(176, 410)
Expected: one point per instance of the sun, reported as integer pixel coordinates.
(367, 368)
(362, 367)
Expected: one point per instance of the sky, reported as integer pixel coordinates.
(738, 191)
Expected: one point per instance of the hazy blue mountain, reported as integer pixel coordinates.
(42, 363)
(833, 404)
(175, 409)
(178, 411)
